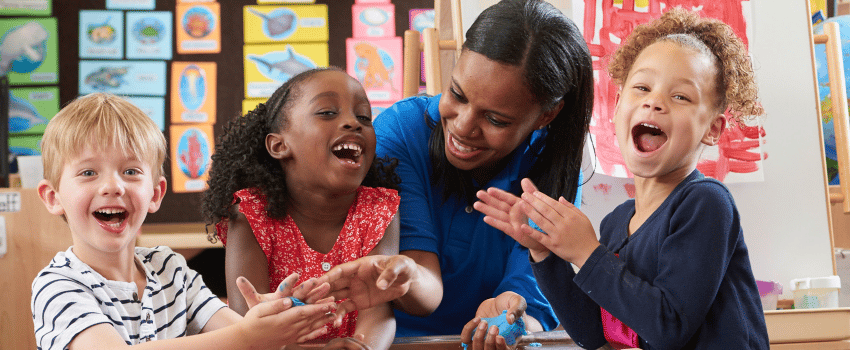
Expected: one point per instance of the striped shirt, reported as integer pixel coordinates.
(68, 297)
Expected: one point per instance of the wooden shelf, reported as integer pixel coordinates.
(176, 236)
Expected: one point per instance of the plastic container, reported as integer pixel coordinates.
(769, 292)
(816, 292)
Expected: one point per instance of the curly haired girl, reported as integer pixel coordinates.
(670, 269)
(287, 193)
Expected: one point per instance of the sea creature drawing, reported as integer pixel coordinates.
(375, 72)
(285, 68)
(106, 77)
(374, 16)
(192, 160)
(198, 22)
(101, 33)
(192, 87)
(25, 42)
(148, 30)
(278, 22)
(23, 115)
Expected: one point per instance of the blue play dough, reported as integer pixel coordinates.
(534, 226)
(296, 302)
(508, 331)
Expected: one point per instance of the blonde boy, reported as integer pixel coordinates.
(103, 174)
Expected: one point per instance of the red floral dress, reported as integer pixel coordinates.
(288, 252)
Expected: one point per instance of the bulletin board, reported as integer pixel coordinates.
(185, 207)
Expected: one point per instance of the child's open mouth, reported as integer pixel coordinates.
(648, 137)
(348, 152)
(110, 217)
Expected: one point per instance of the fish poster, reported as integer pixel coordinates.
(373, 20)
(296, 23)
(739, 154)
(251, 103)
(193, 98)
(149, 35)
(146, 78)
(269, 66)
(376, 63)
(130, 4)
(25, 145)
(101, 34)
(31, 108)
(29, 53)
(25, 8)
(198, 28)
(191, 149)
(153, 107)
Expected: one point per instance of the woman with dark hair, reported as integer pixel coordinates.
(518, 105)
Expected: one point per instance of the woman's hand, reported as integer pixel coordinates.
(309, 292)
(488, 338)
(507, 213)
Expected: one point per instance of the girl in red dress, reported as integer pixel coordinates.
(288, 194)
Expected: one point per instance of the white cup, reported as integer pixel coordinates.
(31, 171)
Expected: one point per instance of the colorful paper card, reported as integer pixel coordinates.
(153, 107)
(373, 20)
(29, 52)
(198, 28)
(269, 66)
(146, 78)
(262, 2)
(101, 34)
(31, 108)
(193, 1)
(376, 63)
(297, 23)
(191, 148)
(131, 4)
(25, 145)
(251, 103)
(25, 8)
(193, 95)
(149, 35)
(420, 19)
(372, 1)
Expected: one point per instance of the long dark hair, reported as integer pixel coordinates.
(548, 45)
(242, 161)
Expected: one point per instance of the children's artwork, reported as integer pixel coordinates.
(146, 78)
(100, 34)
(373, 20)
(29, 51)
(269, 66)
(376, 63)
(31, 108)
(131, 4)
(824, 93)
(25, 145)
(420, 19)
(251, 103)
(25, 7)
(198, 28)
(191, 148)
(153, 107)
(193, 97)
(149, 35)
(737, 157)
(298, 23)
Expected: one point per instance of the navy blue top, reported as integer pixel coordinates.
(682, 280)
(477, 261)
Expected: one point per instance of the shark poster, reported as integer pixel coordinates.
(191, 148)
(25, 7)
(269, 66)
(153, 107)
(146, 78)
(193, 95)
(294, 23)
(31, 108)
(101, 34)
(149, 35)
(29, 51)
(198, 28)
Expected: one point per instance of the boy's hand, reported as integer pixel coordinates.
(570, 233)
(310, 292)
(489, 338)
(507, 213)
(276, 323)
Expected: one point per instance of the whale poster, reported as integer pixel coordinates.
(29, 51)
(294, 23)
(269, 66)
(193, 95)
(146, 78)
(149, 35)
(31, 108)
(198, 28)
(191, 148)
(101, 34)
(153, 107)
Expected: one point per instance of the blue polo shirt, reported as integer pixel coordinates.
(477, 261)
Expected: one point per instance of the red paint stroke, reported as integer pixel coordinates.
(630, 190)
(734, 148)
(618, 22)
(604, 188)
(193, 158)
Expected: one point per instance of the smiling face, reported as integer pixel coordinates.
(667, 110)
(105, 195)
(328, 143)
(487, 111)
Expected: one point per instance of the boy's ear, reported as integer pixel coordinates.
(712, 136)
(158, 193)
(277, 147)
(550, 115)
(50, 197)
